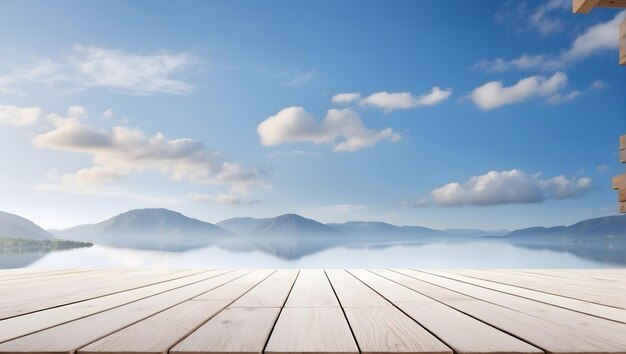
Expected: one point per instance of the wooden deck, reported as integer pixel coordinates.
(312, 311)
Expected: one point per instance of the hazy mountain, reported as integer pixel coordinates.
(148, 228)
(293, 225)
(241, 226)
(13, 226)
(375, 228)
(611, 227)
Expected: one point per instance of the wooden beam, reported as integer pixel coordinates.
(612, 3)
(622, 207)
(622, 43)
(622, 195)
(619, 181)
(583, 6)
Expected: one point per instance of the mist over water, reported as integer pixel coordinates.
(330, 253)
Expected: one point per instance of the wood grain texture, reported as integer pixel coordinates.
(68, 337)
(158, 333)
(589, 308)
(351, 292)
(311, 330)
(271, 292)
(460, 332)
(37, 321)
(583, 6)
(234, 330)
(387, 330)
(312, 289)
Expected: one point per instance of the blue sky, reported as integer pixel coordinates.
(485, 114)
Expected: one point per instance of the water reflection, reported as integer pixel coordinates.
(328, 253)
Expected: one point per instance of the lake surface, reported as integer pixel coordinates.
(281, 253)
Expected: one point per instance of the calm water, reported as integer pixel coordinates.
(309, 254)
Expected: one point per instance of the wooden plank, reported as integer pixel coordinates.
(460, 332)
(234, 330)
(622, 139)
(611, 276)
(619, 181)
(237, 287)
(377, 325)
(311, 330)
(22, 325)
(351, 292)
(609, 294)
(312, 289)
(387, 330)
(605, 331)
(76, 291)
(622, 156)
(610, 313)
(583, 6)
(77, 334)
(618, 4)
(553, 334)
(28, 276)
(157, 334)
(272, 292)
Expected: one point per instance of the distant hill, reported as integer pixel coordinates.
(148, 229)
(13, 226)
(609, 227)
(241, 226)
(293, 225)
(375, 228)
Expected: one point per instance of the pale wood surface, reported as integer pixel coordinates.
(515, 311)
(311, 330)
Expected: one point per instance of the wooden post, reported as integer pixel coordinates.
(622, 43)
(619, 181)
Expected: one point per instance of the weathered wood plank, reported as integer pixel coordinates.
(68, 337)
(312, 289)
(554, 333)
(603, 333)
(311, 330)
(73, 292)
(622, 61)
(583, 6)
(21, 325)
(460, 332)
(234, 330)
(272, 292)
(610, 313)
(351, 292)
(157, 334)
(377, 325)
(609, 294)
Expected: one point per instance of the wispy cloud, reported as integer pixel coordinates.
(19, 116)
(121, 151)
(506, 187)
(341, 127)
(113, 69)
(390, 101)
(543, 17)
(494, 95)
(224, 199)
(597, 38)
(296, 79)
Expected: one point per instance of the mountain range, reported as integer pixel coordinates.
(170, 230)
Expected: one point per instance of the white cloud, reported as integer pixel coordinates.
(390, 101)
(545, 18)
(19, 116)
(493, 95)
(600, 37)
(117, 70)
(224, 198)
(346, 98)
(342, 208)
(558, 98)
(506, 187)
(121, 151)
(341, 127)
(598, 85)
